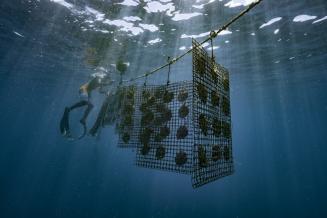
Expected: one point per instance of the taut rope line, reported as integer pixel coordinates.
(212, 35)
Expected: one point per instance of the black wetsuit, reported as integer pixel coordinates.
(90, 86)
(83, 103)
(85, 89)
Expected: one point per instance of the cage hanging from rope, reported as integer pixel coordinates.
(183, 127)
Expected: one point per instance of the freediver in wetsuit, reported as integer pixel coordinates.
(85, 95)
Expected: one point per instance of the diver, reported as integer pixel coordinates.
(99, 81)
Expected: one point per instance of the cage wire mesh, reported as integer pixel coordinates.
(128, 124)
(165, 142)
(109, 113)
(183, 127)
(212, 157)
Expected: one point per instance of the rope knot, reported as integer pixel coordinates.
(213, 34)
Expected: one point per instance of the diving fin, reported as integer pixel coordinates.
(65, 129)
(64, 123)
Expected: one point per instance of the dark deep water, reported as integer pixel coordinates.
(278, 102)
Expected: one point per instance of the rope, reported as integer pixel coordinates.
(212, 57)
(213, 34)
(146, 78)
(168, 76)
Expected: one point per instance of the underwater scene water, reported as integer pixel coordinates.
(276, 55)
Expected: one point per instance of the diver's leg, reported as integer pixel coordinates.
(64, 123)
(79, 104)
(86, 112)
(100, 118)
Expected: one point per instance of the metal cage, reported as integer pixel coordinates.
(183, 127)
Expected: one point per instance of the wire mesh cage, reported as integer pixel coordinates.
(128, 124)
(212, 157)
(165, 143)
(183, 127)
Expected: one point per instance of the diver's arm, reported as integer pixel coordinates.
(94, 84)
(98, 82)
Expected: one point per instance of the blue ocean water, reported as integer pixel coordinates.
(278, 105)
